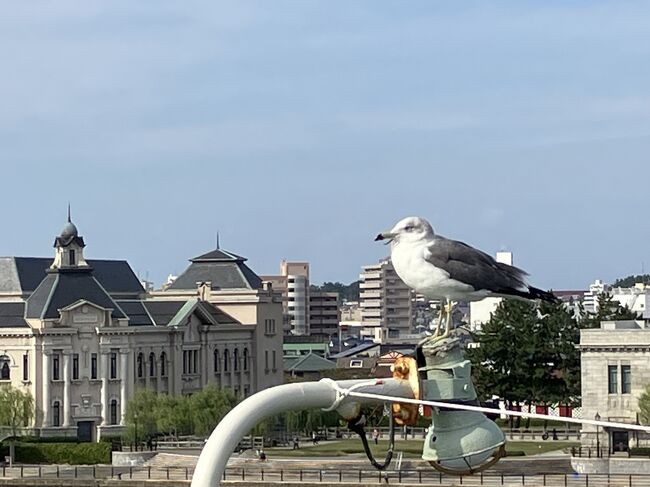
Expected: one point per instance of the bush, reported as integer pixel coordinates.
(71, 453)
(640, 452)
(516, 453)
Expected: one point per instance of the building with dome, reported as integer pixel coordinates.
(81, 335)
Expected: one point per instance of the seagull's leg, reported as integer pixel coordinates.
(449, 307)
(439, 322)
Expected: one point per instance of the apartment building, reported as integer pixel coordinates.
(385, 300)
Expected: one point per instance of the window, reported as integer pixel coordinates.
(235, 361)
(93, 366)
(5, 373)
(273, 359)
(245, 358)
(266, 359)
(56, 372)
(184, 361)
(113, 365)
(152, 365)
(612, 375)
(226, 360)
(247, 391)
(626, 379)
(113, 411)
(140, 365)
(195, 361)
(56, 414)
(216, 360)
(71, 259)
(25, 366)
(163, 364)
(356, 364)
(75, 366)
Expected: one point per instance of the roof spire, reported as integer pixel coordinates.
(218, 247)
(69, 212)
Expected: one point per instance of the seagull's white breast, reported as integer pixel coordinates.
(422, 276)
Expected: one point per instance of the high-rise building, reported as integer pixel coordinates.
(385, 300)
(306, 312)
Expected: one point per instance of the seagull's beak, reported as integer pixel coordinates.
(388, 236)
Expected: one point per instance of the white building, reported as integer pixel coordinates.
(481, 311)
(82, 335)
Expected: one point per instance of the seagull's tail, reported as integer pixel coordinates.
(535, 293)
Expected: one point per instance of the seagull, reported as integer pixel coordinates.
(445, 269)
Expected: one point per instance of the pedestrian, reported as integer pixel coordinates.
(262, 456)
(296, 446)
(314, 438)
(375, 435)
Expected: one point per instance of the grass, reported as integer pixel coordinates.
(410, 448)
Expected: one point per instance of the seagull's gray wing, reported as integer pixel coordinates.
(471, 266)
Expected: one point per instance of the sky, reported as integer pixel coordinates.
(300, 129)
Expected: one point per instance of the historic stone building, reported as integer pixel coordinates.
(81, 335)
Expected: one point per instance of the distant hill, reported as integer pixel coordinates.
(630, 281)
(347, 292)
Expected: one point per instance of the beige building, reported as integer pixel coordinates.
(615, 370)
(385, 300)
(293, 283)
(481, 311)
(82, 335)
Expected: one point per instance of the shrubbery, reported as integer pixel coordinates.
(71, 453)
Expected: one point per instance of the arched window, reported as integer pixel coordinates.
(113, 411)
(56, 413)
(152, 364)
(163, 364)
(140, 365)
(217, 366)
(5, 372)
(245, 358)
(235, 360)
(226, 360)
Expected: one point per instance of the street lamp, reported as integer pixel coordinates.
(597, 418)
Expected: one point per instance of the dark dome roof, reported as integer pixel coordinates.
(69, 230)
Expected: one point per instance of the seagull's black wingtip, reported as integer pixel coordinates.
(379, 237)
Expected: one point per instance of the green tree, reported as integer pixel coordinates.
(173, 415)
(644, 406)
(607, 310)
(141, 419)
(16, 411)
(630, 281)
(208, 406)
(527, 354)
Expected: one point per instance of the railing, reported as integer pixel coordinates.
(348, 476)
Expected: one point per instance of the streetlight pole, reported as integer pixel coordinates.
(597, 418)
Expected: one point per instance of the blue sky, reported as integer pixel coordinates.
(299, 129)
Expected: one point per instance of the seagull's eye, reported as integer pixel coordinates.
(408, 228)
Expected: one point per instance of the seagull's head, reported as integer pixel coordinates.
(410, 229)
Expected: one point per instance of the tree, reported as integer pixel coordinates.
(16, 411)
(173, 415)
(527, 354)
(349, 292)
(644, 406)
(141, 416)
(630, 281)
(607, 310)
(208, 407)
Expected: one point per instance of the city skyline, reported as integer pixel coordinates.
(299, 130)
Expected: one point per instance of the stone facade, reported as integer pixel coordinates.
(615, 368)
(81, 336)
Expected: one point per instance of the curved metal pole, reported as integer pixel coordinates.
(302, 395)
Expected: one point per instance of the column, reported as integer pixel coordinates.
(47, 399)
(104, 393)
(124, 372)
(66, 389)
